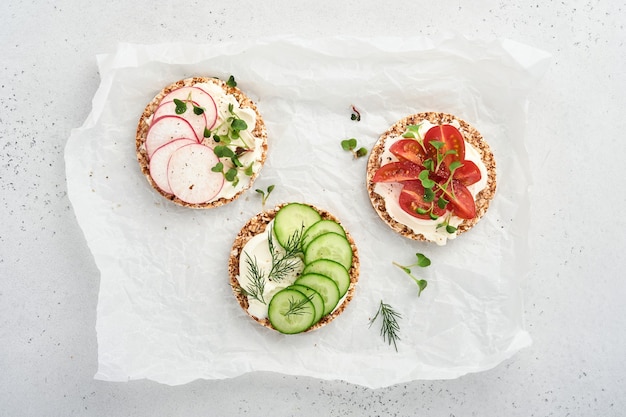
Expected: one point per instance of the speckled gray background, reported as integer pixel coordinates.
(574, 300)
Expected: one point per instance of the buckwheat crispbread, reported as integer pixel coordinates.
(471, 135)
(257, 225)
(259, 131)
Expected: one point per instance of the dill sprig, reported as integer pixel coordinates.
(256, 287)
(297, 307)
(389, 328)
(284, 263)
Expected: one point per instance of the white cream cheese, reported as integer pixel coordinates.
(426, 227)
(248, 115)
(257, 250)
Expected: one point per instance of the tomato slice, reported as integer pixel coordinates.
(462, 204)
(412, 198)
(452, 140)
(397, 172)
(468, 173)
(408, 150)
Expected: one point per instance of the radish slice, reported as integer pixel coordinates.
(190, 176)
(165, 129)
(199, 96)
(160, 160)
(197, 121)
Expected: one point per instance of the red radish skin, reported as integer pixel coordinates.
(197, 121)
(199, 96)
(190, 176)
(160, 161)
(165, 129)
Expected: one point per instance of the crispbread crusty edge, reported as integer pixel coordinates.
(257, 225)
(471, 135)
(259, 131)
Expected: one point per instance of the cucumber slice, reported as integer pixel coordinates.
(292, 219)
(316, 299)
(319, 228)
(291, 311)
(333, 270)
(324, 286)
(329, 246)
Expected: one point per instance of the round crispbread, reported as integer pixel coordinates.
(257, 225)
(470, 134)
(259, 131)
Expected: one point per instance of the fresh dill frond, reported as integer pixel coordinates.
(284, 263)
(297, 307)
(389, 328)
(256, 287)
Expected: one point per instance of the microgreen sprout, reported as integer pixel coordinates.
(265, 194)
(446, 223)
(422, 261)
(356, 115)
(351, 145)
(389, 328)
(231, 82)
(181, 106)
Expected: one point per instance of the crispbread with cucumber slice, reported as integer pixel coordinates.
(292, 304)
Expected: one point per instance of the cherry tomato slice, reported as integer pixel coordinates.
(468, 174)
(452, 140)
(408, 150)
(412, 198)
(462, 204)
(397, 172)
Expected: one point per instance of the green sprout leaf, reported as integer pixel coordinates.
(249, 169)
(230, 175)
(231, 82)
(427, 183)
(450, 229)
(265, 194)
(239, 125)
(429, 195)
(219, 167)
(197, 110)
(181, 106)
(351, 145)
(348, 144)
(422, 261)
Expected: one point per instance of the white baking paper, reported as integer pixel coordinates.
(166, 311)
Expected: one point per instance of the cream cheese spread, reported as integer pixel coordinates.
(248, 115)
(257, 250)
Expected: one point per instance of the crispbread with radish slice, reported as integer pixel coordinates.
(160, 161)
(189, 175)
(197, 121)
(161, 125)
(165, 129)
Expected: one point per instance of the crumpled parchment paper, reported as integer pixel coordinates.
(166, 311)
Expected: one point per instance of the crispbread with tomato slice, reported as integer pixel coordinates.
(470, 135)
(148, 117)
(258, 224)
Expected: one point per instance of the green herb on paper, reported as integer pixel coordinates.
(389, 328)
(265, 194)
(351, 145)
(422, 262)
